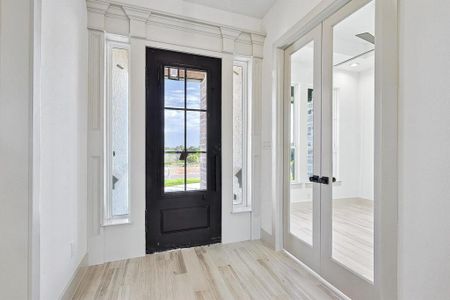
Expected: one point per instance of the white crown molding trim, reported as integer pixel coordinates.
(137, 14)
(229, 37)
(140, 19)
(183, 25)
(97, 6)
(175, 16)
(96, 11)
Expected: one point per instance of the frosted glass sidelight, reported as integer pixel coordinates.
(119, 131)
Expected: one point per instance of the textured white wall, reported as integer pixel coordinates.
(63, 143)
(15, 146)
(424, 143)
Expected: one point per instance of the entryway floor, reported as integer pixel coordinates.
(244, 270)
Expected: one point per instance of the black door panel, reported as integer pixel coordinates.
(183, 150)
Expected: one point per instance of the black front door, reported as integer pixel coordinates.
(183, 150)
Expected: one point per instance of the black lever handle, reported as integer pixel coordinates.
(326, 180)
(314, 178)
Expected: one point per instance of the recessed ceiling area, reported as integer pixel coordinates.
(251, 8)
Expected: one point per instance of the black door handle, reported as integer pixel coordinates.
(314, 178)
(326, 180)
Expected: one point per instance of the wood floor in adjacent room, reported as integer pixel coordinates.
(353, 235)
(245, 270)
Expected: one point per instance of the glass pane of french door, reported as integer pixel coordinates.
(301, 143)
(352, 146)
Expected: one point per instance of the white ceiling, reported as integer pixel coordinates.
(252, 8)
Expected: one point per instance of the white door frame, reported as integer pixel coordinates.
(386, 170)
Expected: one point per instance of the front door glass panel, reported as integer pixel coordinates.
(185, 129)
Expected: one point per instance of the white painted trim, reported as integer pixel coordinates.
(34, 255)
(99, 5)
(386, 137)
(71, 287)
(141, 22)
(267, 239)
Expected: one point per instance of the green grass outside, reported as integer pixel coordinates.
(180, 181)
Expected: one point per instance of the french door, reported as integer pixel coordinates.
(303, 151)
(329, 149)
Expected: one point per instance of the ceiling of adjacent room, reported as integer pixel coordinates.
(252, 8)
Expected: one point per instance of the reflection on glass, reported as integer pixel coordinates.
(119, 131)
(353, 141)
(173, 130)
(174, 87)
(292, 153)
(173, 172)
(301, 160)
(196, 171)
(196, 131)
(196, 89)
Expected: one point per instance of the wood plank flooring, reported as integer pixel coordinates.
(353, 235)
(245, 270)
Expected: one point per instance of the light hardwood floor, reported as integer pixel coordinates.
(245, 270)
(353, 235)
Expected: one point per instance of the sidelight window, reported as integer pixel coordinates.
(241, 137)
(116, 137)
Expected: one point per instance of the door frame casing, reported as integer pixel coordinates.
(386, 169)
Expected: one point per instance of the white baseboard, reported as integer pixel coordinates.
(267, 239)
(75, 281)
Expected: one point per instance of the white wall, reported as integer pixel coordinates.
(282, 16)
(424, 143)
(63, 143)
(15, 145)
